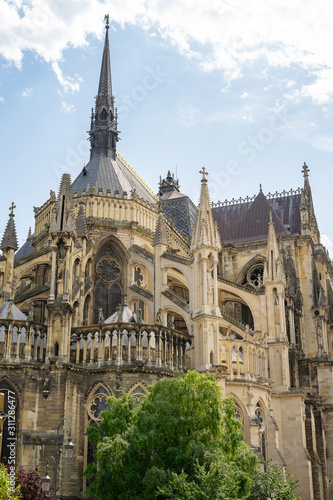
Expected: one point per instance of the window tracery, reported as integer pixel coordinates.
(98, 403)
(255, 276)
(138, 393)
(260, 418)
(108, 269)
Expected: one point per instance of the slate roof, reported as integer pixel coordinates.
(9, 311)
(181, 208)
(248, 220)
(26, 249)
(106, 173)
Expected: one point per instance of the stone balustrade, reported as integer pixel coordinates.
(22, 341)
(125, 344)
(244, 358)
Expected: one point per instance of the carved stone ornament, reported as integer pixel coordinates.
(108, 269)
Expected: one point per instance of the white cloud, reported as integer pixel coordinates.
(26, 92)
(322, 142)
(230, 35)
(67, 108)
(1, 99)
(244, 95)
(69, 84)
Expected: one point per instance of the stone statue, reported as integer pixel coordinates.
(171, 322)
(31, 313)
(158, 317)
(100, 315)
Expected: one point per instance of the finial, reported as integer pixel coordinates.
(11, 208)
(203, 172)
(29, 234)
(107, 19)
(305, 170)
(260, 187)
(270, 217)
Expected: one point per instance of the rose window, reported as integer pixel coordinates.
(108, 270)
(255, 276)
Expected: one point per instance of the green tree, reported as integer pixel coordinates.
(7, 490)
(274, 480)
(182, 442)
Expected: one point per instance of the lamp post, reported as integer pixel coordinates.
(69, 446)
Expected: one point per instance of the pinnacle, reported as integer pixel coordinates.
(9, 239)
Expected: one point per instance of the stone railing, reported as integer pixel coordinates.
(22, 341)
(129, 344)
(244, 358)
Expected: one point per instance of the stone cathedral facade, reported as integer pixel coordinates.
(119, 287)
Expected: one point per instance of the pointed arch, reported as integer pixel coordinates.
(138, 391)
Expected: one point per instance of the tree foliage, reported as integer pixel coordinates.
(183, 442)
(7, 490)
(276, 481)
(31, 485)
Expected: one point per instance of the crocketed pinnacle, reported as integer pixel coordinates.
(205, 233)
(9, 239)
(274, 270)
(161, 235)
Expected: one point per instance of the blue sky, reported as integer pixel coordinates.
(245, 90)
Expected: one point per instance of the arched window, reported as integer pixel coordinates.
(238, 413)
(87, 273)
(86, 310)
(260, 418)
(109, 280)
(254, 276)
(263, 446)
(97, 402)
(138, 394)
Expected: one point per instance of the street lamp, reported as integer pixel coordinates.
(69, 447)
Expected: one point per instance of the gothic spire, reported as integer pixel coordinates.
(103, 130)
(205, 233)
(9, 239)
(105, 85)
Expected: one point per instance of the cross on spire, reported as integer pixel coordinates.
(107, 19)
(11, 208)
(204, 173)
(305, 170)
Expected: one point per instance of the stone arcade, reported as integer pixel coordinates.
(117, 288)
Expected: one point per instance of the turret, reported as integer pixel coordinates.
(9, 246)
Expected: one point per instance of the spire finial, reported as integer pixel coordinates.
(107, 19)
(305, 170)
(11, 208)
(204, 173)
(270, 217)
(260, 187)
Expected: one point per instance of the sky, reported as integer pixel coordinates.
(242, 88)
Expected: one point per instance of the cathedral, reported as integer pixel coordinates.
(118, 287)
